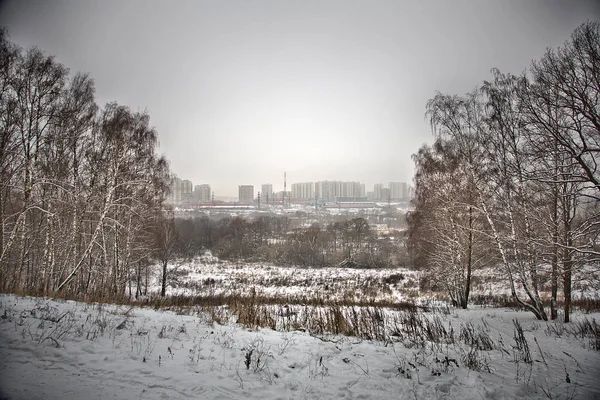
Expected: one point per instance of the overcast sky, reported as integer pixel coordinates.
(241, 91)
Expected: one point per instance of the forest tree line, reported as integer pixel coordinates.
(513, 180)
(81, 187)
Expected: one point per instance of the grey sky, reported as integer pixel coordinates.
(241, 91)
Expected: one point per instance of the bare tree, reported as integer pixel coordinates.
(561, 106)
(166, 246)
(530, 148)
(77, 187)
(445, 230)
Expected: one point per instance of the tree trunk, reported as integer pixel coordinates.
(553, 310)
(567, 266)
(147, 270)
(164, 278)
(469, 261)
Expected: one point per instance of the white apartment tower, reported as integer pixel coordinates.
(186, 187)
(330, 190)
(175, 195)
(266, 192)
(202, 193)
(399, 191)
(246, 193)
(303, 191)
(378, 191)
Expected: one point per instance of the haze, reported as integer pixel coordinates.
(241, 91)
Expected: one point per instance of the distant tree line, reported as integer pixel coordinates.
(273, 239)
(81, 187)
(513, 179)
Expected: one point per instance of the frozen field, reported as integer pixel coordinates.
(69, 350)
(207, 275)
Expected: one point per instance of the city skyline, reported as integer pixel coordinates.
(277, 186)
(320, 89)
(185, 190)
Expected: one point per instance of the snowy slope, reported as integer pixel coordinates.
(70, 350)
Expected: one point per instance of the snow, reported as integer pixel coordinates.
(207, 275)
(69, 350)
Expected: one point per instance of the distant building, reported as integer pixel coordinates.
(378, 191)
(326, 190)
(329, 191)
(303, 191)
(405, 191)
(187, 190)
(187, 187)
(202, 193)
(175, 195)
(350, 189)
(399, 191)
(395, 190)
(266, 192)
(385, 194)
(245, 193)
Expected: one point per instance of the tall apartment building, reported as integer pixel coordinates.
(351, 189)
(378, 191)
(266, 192)
(186, 187)
(399, 191)
(385, 194)
(187, 190)
(405, 191)
(328, 191)
(395, 190)
(303, 191)
(175, 195)
(246, 193)
(202, 193)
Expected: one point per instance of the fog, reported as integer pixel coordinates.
(241, 91)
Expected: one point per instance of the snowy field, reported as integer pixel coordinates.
(207, 275)
(69, 350)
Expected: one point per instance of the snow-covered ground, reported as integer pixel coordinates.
(207, 275)
(69, 350)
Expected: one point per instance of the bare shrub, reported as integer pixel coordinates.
(587, 329)
(477, 338)
(521, 353)
(256, 358)
(317, 367)
(475, 359)
(583, 329)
